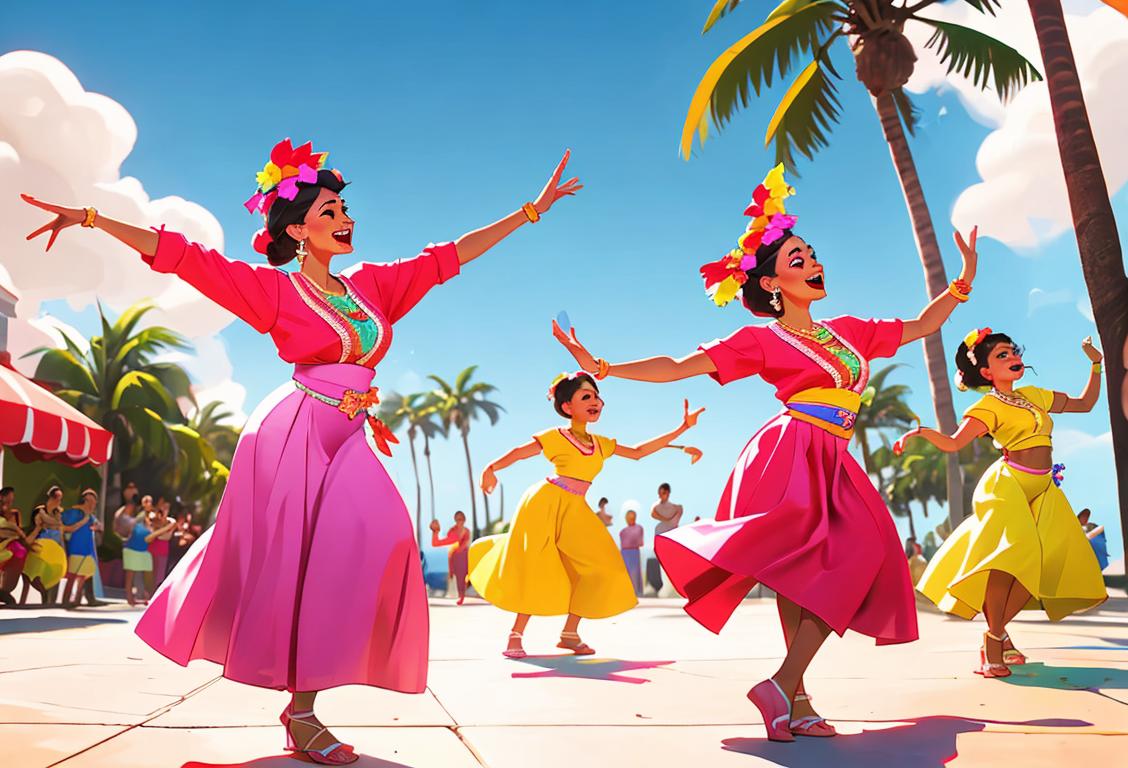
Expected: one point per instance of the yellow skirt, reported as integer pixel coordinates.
(1022, 525)
(557, 558)
(46, 561)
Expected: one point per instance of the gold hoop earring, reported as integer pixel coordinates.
(301, 253)
(776, 300)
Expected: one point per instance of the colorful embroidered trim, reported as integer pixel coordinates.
(821, 355)
(725, 278)
(586, 450)
(570, 484)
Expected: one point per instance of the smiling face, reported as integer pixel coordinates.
(585, 406)
(799, 275)
(327, 228)
(1004, 364)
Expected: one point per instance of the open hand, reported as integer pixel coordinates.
(970, 256)
(695, 454)
(573, 345)
(899, 446)
(689, 420)
(434, 526)
(1090, 351)
(64, 217)
(554, 190)
(489, 481)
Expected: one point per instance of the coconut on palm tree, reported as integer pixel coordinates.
(1098, 241)
(798, 36)
(459, 405)
(116, 381)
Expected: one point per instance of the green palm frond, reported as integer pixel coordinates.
(910, 115)
(61, 366)
(464, 377)
(174, 378)
(720, 8)
(127, 320)
(749, 65)
(804, 116)
(980, 57)
(140, 389)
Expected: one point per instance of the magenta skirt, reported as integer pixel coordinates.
(310, 577)
(800, 516)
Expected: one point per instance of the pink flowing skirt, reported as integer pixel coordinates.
(800, 516)
(310, 577)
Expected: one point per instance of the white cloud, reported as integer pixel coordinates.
(1040, 299)
(1022, 199)
(1085, 307)
(1073, 442)
(64, 144)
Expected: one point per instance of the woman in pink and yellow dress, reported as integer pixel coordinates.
(798, 513)
(271, 590)
(458, 562)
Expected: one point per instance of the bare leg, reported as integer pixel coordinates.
(304, 727)
(809, 636)
(147, 577)
(994, 610)
(570, 637)
(1017, 599)
(129, 598)
(789, 615)
(515, 634)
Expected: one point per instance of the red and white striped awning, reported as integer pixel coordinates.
(37, 426)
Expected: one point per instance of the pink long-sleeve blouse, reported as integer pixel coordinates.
(307, 325)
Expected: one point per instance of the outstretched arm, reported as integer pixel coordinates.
(526, 451)
(450, 538)
(1064, 403)
(160, 532)
(655, 369)
(658, 443)
(940, 308)
(474, 244)
(969, 429)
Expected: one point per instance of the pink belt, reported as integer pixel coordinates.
(570, 484)
(1028, 470)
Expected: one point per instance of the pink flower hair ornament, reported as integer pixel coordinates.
(725, 277)
(280, 176)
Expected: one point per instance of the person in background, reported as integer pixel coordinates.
(669, 517)
(159, 520)
(602, 513)
(125, 514)
(79, 526)
(186, 533)
(135, 555)
(631, 541)
(1096, 536)
(458, 563)
(14, 545)
(47, 561)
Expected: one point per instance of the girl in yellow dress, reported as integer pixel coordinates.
(558, 558)
(1022, 548)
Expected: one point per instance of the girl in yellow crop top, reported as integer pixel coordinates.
(558, 557)
(1022, 547)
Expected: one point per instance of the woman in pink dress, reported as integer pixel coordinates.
(458, 558)
(798, 513)
(271, 590)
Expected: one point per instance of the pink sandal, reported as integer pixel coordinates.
(287, 716)
(514, 653)
(990, 668)
(774, 708)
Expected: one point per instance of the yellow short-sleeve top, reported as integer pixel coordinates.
(1014, 427)
(571, 458)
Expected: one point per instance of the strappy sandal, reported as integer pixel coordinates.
(574, 644)
(1012, 657)
(514, 653)
(811, 725)
(336, 753)
(991, 668)
(774, 708)
(284, 718)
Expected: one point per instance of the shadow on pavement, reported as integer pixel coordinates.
(923, 742)
(587, 668)
(1038, 675)
(286, 761)
(16, 626)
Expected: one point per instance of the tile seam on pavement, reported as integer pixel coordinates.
(456, 730)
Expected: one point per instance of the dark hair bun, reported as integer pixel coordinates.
(755, 298)
(285, 212)
(567, 388)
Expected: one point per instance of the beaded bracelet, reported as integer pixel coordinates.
(91, 214)
(531, 213)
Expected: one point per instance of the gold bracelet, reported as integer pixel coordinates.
(91, 214)
(531, 213)
(604, 369)
(1097, 368)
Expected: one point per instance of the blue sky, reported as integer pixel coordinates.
(449, 118)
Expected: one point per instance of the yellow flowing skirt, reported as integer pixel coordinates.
(1022, 525)
(47, 560)
(557, 558)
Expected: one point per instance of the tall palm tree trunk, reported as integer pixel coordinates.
(418, 490)
(430, 474)
(473, 490)
(1098, 242)
(936, 281)
(912, 523)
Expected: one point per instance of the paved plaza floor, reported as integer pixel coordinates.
(78, 689)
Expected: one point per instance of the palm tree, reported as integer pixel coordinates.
(884, 408)
(396, 410)
(1098, 241)
(116, 383)
(919, 475)
(459, 405)
(213, 424)
(430, 423)
(884, 58)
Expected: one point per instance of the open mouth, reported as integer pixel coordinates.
(593, 411)
(1018, 367)
(343, 236)
(816, 282)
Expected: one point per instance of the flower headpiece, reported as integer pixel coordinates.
(724, 278)
(973, 340)
(563, 377)
(281, 174)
